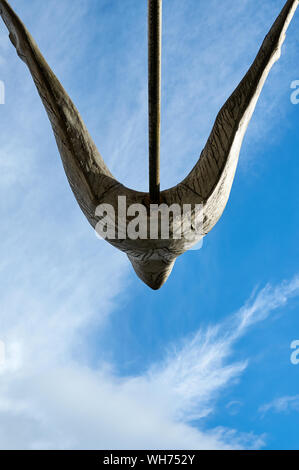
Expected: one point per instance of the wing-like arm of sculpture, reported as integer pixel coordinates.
(211, 179)
(86, 171)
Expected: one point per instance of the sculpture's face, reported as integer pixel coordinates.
(152, 235)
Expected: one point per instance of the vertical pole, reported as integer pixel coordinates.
(154, 95)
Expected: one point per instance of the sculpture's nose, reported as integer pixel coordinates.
(153, 273)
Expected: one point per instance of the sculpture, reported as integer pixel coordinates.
(208, 184)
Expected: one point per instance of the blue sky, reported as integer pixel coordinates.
(94, 359)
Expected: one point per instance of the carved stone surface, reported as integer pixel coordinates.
(210, 181)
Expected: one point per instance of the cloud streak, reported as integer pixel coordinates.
(64, 402)
(281, 405)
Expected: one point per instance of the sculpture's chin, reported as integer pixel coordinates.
(154, 273)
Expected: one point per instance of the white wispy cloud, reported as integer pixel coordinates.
(281, 405)
(199, 370)
(268, 299)
(65, 403)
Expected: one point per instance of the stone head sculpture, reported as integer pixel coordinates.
(204, 191)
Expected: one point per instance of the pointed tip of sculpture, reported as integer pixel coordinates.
(152, 283)
(154, 273)
(155, 284)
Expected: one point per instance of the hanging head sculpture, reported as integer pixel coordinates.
(109, 206)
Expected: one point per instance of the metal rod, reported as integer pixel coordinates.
(154, 95)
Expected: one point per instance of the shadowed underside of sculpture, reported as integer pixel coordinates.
(208, 184)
